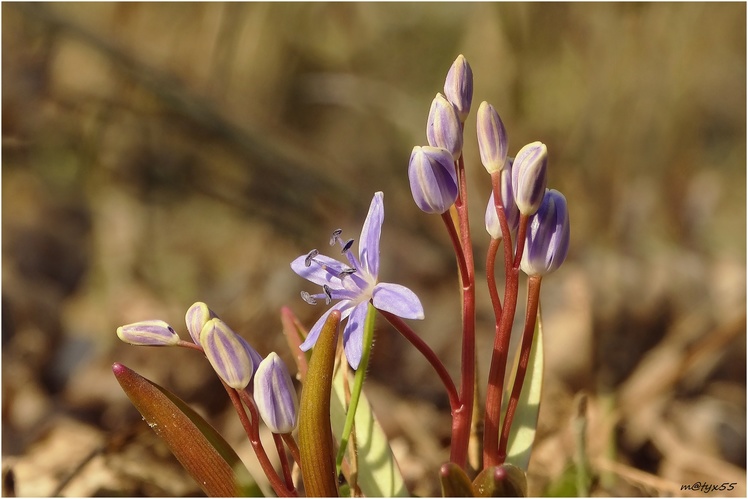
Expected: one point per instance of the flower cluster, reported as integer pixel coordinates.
(232, 358)
(523, 215)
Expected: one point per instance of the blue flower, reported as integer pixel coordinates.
(355, 284)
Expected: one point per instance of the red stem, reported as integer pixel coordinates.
(189, 344)
(252, 430)
(462, 418)
(493, 248)
(284, 460)
(533, 298)
(504, 322)
(292, 446)
(421, 346)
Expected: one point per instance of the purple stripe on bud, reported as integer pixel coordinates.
(529, 177)
(148, 333)
(458, 87)
(547, 241)
(492, 139)
(227, 354)
(197, 315)
(510, 207)
(275, 395)
(433, 178)
(443, 127)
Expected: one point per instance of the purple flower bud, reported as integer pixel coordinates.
(227, 354)
(443, 127)
(275, 395)
(547, 240)
(492, 140)
(510, 208)
(148, 333)
(197, 315)
(458, 87)
(528, 177)
(433, 178)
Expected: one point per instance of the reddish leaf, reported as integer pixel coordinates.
(206, 456)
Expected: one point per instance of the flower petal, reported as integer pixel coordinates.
(353, 335)
(311, 338)
(397, 300)
(368, 245)
(324, 270)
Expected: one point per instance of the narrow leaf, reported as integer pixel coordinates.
(315, 434)
(524, 426)
(378, 472)
(201, 450)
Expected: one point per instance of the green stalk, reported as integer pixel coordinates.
(358, 385)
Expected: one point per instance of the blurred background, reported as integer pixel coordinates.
(154, 155)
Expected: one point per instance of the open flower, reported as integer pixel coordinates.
(355, 284)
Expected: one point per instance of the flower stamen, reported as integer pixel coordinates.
(308, 298)
(346, 272)
(335, 236)
(347, 246)
(310, 257)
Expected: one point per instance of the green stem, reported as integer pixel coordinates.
(358, 385)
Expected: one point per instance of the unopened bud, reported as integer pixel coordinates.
(443, 127)
(275, 395)
(529, 177)
(196, 317)
(433, 178)
(227, 354)
(547, 240)
(492, 140)
(148, 333)
(458, 87)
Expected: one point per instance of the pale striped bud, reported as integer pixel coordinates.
(148, 333)
(275, 395)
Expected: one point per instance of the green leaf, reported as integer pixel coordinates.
(378, 473)
(201, 450)
(524, 426)
(315, 435)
